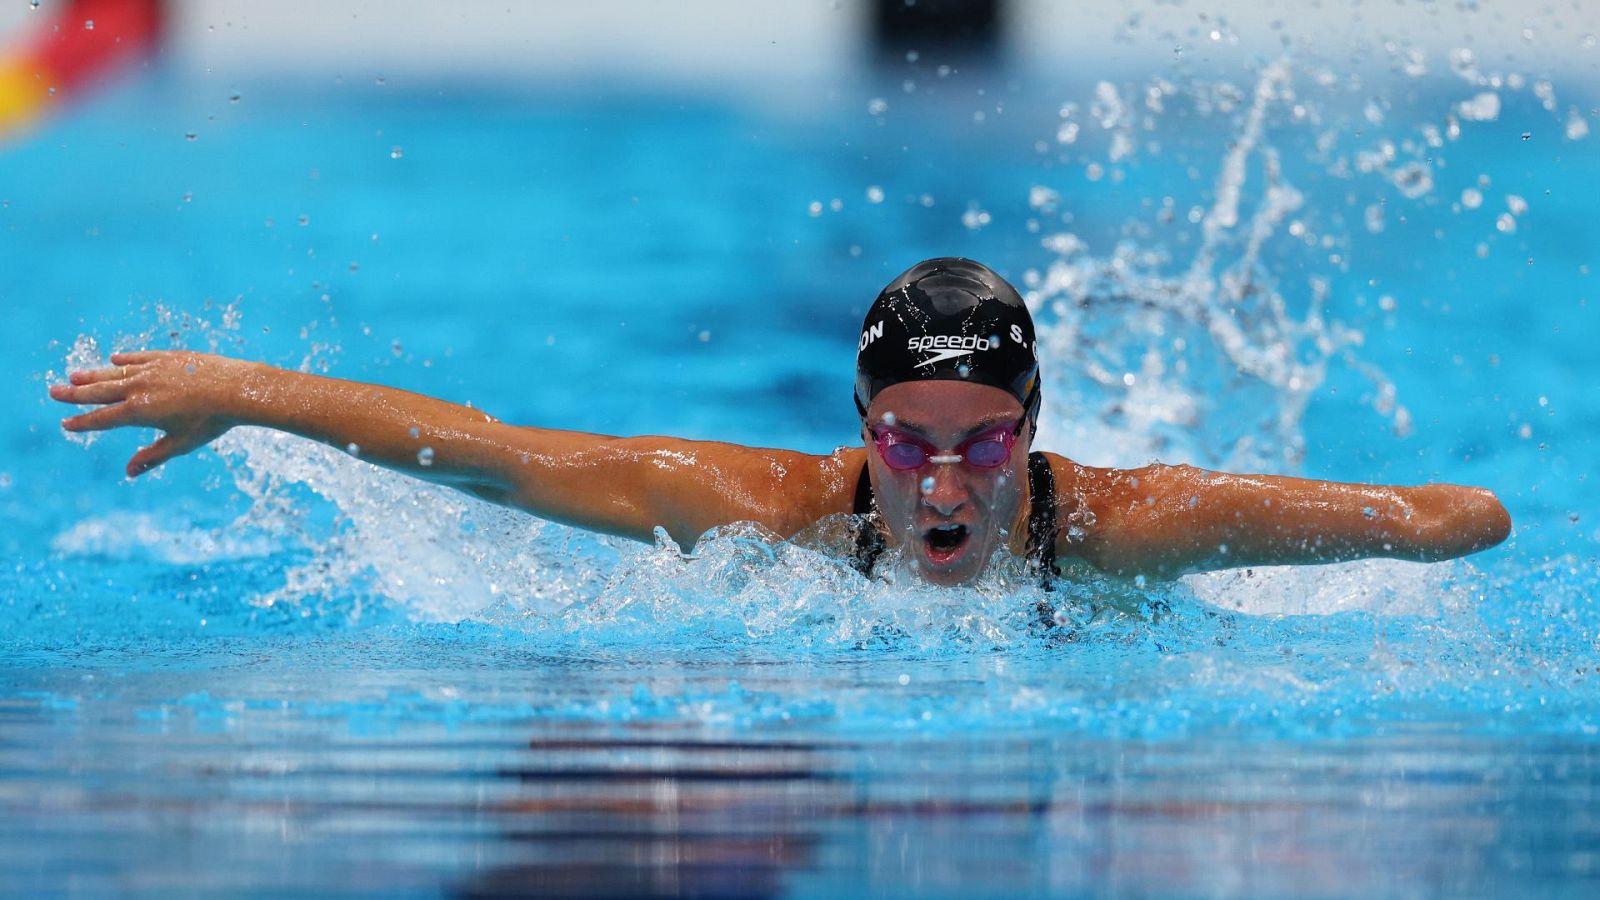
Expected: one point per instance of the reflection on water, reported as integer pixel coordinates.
(326, 796)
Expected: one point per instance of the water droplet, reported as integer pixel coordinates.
(191, 136)
(233, 97)
(1471, 198)
(1577, 126)
(1369, 512)
(88, 24)
(1506, 223)
(877, 106)
(975, 218)
(874, 194)
(425, 456)
(396, 152)
(414, 431)
(912, 56)
(888, 418)
(814, 208)
(1527, 135)
(188, 197)
(963, 370)
(1484, 107)
(836, 204)
(705, 337)
(927, 485)
(353, 448)
(904, 678)
(34, 3)
(1413, 179)
(1516, 204)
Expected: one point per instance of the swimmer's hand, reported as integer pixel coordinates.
(185, 395)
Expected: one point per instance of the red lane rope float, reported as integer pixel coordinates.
(84, 40)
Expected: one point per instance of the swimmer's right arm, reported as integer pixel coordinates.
(621, 486)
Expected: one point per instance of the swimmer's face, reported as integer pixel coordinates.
(949, 517)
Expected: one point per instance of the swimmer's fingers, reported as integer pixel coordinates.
(110, 391)
(166, 447)
(95, 376)
(135, 357)
(102, 419)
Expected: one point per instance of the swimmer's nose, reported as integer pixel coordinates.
(943, 489)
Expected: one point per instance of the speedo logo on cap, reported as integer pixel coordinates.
(946, 346)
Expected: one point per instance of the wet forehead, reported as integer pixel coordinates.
(943, 409)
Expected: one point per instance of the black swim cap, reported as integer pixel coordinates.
(949, 319)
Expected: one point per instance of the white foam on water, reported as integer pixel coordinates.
(132, 535)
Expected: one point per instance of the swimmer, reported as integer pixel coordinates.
(947, 388)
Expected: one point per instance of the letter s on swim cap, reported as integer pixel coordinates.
(948, 319)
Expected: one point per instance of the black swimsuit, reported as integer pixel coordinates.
(1041, 522)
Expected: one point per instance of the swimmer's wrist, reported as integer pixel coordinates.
(252, 395)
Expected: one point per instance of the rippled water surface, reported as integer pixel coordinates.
(273, 667)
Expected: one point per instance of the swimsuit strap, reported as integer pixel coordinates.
(1042, 518)
(869, 541)
(1041, 521)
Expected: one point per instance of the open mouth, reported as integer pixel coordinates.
(945, 543)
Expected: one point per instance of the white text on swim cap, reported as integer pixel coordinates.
(945, 346)
(870, 335)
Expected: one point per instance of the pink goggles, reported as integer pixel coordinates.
(990, 449)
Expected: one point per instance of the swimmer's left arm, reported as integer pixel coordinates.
(1165, 521)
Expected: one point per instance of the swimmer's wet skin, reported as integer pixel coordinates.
(948, 390)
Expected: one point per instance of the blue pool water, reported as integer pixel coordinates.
(272, 667)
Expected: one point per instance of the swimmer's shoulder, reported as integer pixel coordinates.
(1100, 510)
(1106, 489)
(831, 481)
(1088, 500)
(800, 488)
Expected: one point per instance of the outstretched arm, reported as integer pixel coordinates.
(1167, 520)
(622, 486)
